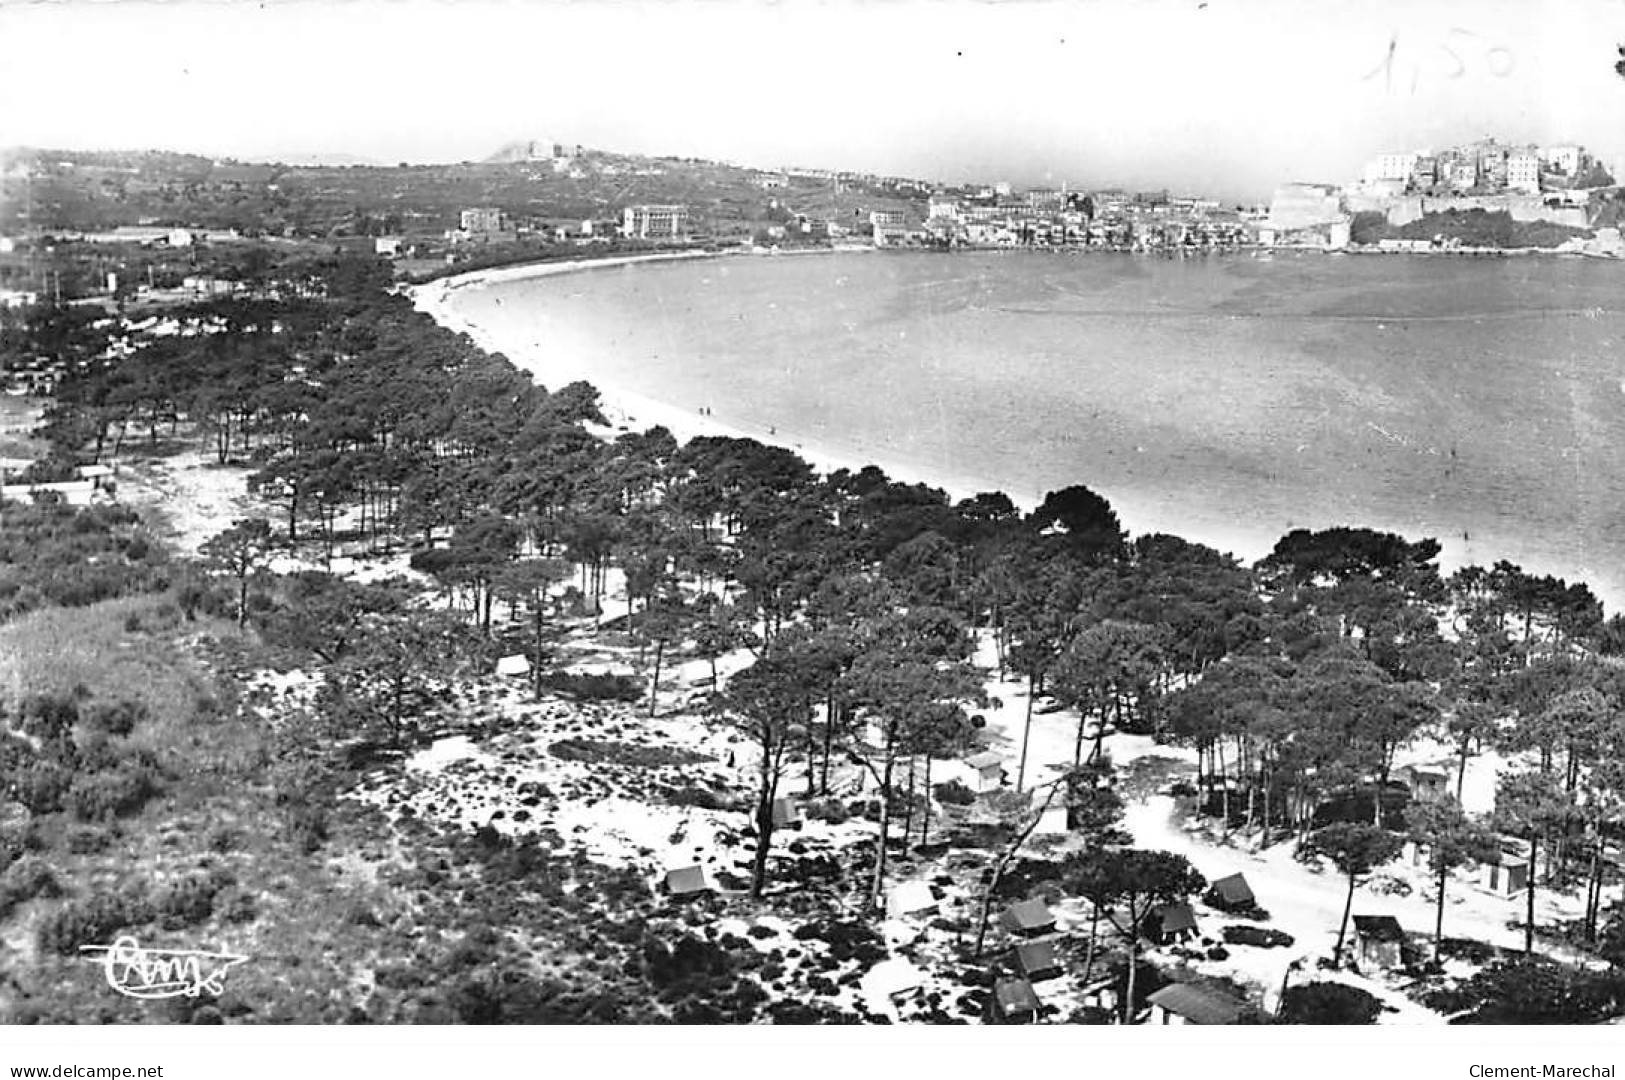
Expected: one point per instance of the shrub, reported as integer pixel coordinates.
(694, 795)
(112, 792)
(222, 839)
(23, 880)
(90, 922)
(1532, 991)
(1474, 952)
(1329, 1003)
(237, 906)
(954, 793)
(830, 810)
(42, 786)
(610, 752)
(88, 839)
(846, 941)
(1257, 936)
(50, 717)
(117, 718)
(594, 687)
(189, 900)
(306, 826)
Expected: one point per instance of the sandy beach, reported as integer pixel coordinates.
(626, 408)
(1227, 402)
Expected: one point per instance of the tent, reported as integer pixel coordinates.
(516, 666)
(1171, 923)
(1038, 960)
(911, 898)
(1027, 918)
(1014, 1001)
(1231, 894)
(687, 881)
(1186, 1003)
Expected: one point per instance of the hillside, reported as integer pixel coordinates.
(47, 189)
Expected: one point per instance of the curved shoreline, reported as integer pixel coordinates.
(626, 408)
(1141, 511)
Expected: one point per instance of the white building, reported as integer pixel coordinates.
(1300, 206)
(887, 235)
(387, 246)
(481, 219)
(1390, 167)
(1523, 172)
(943, 206)
(1565, 159)
(655, 222)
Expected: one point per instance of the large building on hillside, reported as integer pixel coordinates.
(1391, 167)
(655, 222)
(481, 219)
(1301, 206)
(1306, 214)
(1523, 172)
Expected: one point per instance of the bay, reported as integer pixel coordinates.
(1228, 399)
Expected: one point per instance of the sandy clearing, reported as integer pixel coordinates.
(192, 497)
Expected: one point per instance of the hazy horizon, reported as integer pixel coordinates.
(1221, 97)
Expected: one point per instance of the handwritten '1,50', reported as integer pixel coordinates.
(1460, 52)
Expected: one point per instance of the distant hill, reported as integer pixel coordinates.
(50, 189)
(312, 159)
(538, 149)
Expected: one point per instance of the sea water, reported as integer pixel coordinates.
(1225, 398)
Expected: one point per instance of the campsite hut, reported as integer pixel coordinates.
(515, 666)
(786, 814)
(1506, 874)
(1187, 1003)
(1027, 918)
(1014, 1001)
(1171, 924)
(1231, 894)
(1378, 942)
(988, 770)
(911, 899)
(686, 882)
(1423, 783)
(1038, 960)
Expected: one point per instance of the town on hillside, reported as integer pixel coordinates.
(153, 229)
(414, 691)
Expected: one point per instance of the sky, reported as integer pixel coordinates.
(1225, 97)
